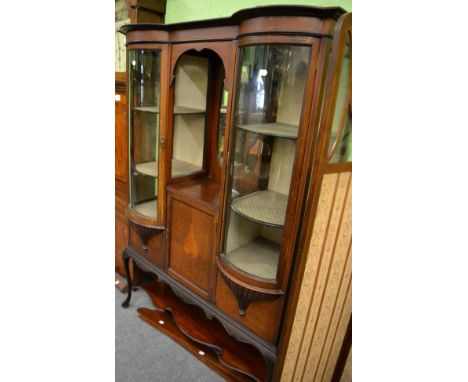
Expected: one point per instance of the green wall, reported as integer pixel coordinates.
(185, 10)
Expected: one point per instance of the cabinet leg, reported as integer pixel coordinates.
(269, 364)
(126, 261)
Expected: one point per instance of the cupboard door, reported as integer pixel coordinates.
(191, 245)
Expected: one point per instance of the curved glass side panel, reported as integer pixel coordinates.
(144, 87)
(340, 145)
(266, 125)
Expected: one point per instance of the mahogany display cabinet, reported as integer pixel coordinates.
(233, 125)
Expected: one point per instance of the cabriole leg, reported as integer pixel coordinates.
(126, 261)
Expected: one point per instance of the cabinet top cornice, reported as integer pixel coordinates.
(242, 15)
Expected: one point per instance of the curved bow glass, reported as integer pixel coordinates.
(269, 101)
(144, 88)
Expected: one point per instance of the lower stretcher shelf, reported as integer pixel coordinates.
(164, 322)
(241, 361)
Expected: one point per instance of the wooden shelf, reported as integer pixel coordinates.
(258, 258)
(177, 110)
(187, 110)
(275, 129)
(148, 168)
(164, 322)
(265, 207)
(180, 168)
(148, 209)
(148, 109)
(240, 361)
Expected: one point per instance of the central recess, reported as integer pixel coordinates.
(198, 102)
(191, 89)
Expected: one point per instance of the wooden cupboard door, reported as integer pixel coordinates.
(191, 257)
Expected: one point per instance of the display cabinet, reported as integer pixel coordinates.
(226, 144)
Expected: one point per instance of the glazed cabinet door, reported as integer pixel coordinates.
(145, 113)
(267, 136)
(146, 165)
(264, 139)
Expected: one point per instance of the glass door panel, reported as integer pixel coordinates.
(340, 145)
(144, 88)
(191, 86)
(269, 101)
